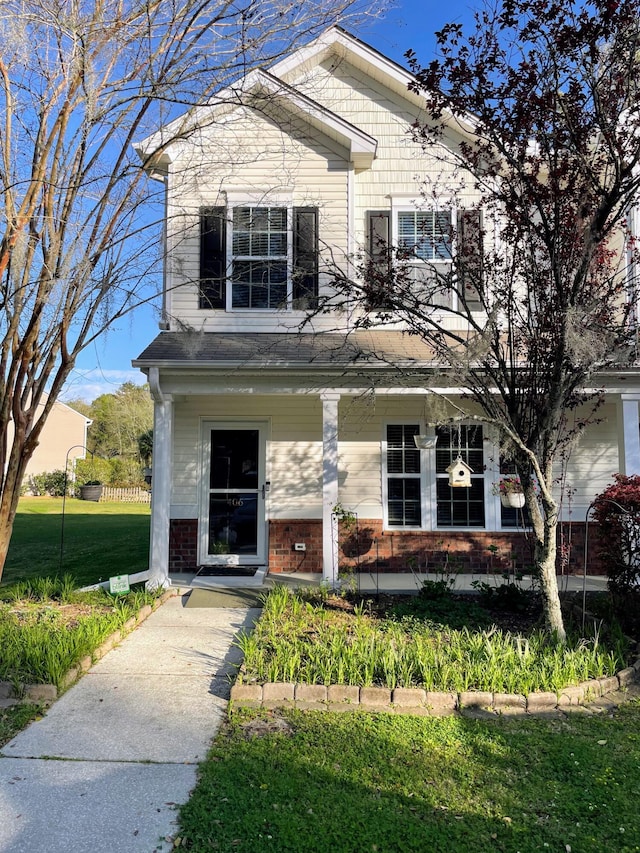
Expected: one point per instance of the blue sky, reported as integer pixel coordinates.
(106, 364)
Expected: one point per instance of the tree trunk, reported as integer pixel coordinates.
(545, 559)
(9, 504)
(544, 521)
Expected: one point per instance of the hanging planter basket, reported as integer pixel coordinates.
(426, 441)
(512, 500)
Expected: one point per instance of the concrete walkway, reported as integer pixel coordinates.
(108, 764)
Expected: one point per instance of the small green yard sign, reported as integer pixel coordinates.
(119, 585)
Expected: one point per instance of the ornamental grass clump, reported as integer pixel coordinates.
(47, 627)
(296, 641)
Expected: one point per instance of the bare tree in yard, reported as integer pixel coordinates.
(79, 82)
(545, 97)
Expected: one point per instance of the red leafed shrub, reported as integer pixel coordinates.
(617, 512)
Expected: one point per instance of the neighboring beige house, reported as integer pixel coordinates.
(63, 439)
(262, 427)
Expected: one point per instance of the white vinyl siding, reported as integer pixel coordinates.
(294, 455)
(258, 160)
(294, 450)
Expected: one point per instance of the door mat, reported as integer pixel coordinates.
(227, 572)
(237, 597)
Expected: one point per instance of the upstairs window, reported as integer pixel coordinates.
(258, 257)
(435, 247)
(425, 234)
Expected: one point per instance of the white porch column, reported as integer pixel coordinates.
(160, 488)
(329, 485)
(629, 434)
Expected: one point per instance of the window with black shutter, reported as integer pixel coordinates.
(422, 251)
(378, 264)
(267, 270)
(305, 257)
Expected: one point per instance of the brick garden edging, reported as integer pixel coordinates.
(47, 693)
(419, 702)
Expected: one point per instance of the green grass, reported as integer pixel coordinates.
(15, 718)
(301, 641)
(100, 540)
(393, 784)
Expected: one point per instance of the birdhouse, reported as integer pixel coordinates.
(459, 474)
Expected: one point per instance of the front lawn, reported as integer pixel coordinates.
(310, 782)
(99, 540)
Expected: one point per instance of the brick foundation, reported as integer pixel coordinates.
(183, 545)
(283, 535)
(368, 548)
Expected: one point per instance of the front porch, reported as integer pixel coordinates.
(332, 432)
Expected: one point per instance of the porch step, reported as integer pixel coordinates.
(228, 578)
(227, 572)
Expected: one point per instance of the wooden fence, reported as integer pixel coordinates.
(127, 496)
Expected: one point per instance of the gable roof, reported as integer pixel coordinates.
(361, 146)
(337, 41)
(279, 80)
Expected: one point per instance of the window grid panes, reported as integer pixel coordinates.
(460, 506)
(404, 504)
(259, 247)
(425, 234)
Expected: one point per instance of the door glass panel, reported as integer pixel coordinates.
(233, 523)
(234, 459)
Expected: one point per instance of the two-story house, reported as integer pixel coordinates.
(267, 419)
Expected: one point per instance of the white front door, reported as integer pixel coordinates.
(233, 519)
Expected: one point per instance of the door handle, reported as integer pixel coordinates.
(266, 489)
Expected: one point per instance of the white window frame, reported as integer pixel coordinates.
(261, 203)
(428, 479)
(418, 205)
(423, 476)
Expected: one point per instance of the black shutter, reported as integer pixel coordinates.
(213, 257)
(469, 257)
(305, 257)
(378, 264)
(379, 234)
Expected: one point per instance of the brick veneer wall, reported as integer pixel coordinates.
(183, 545)
(283, 535)
(371, 548)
